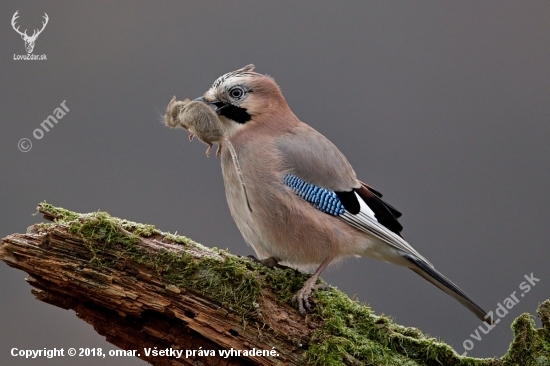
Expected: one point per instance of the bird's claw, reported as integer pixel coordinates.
(301, 301)
(301, 298)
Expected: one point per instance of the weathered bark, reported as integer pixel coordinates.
(142, 288)
(134, 308)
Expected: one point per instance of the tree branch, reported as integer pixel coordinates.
(142, 288)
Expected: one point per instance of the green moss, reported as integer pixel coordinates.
(351, 328)
(350, 333)
(179, 239)
(40, 228)
(233, 281)
(530, 346)
(59, 214)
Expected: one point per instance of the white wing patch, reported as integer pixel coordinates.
(366, 221)
(364, 208)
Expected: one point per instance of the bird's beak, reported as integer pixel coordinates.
(215, 105)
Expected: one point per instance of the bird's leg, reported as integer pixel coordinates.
(208, 150)
(301, 298)
(271, 262)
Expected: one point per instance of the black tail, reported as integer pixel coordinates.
(431, 274)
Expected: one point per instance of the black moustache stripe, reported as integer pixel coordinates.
(237, 114)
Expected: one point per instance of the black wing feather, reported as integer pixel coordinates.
(349, 200)
(392, 209)
(382, 212)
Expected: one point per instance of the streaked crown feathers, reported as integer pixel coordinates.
(248, 70)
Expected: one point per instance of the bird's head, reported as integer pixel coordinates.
(243, 97)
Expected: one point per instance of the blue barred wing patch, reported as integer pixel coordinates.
(322, 199)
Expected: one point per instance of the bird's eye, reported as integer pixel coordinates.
(236, 93)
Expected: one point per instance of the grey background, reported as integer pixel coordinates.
(442, 106)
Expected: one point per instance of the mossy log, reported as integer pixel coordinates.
(142, 288)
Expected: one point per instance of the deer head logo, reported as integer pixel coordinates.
(29, 40)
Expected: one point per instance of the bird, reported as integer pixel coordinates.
(198, 119)
(303, 206)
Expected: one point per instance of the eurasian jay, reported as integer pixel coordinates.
(302, 204)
